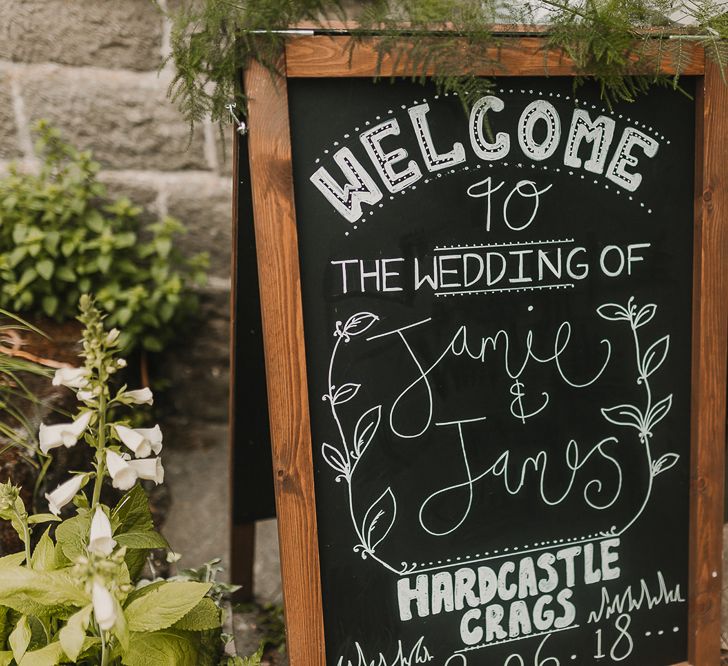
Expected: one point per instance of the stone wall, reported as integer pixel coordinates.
(91, 67)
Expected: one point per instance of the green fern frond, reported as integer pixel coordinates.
(623, 45)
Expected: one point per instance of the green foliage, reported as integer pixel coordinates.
(253, 660)
(610, 41)
(270, 621)
(77, 596)
(208, 573)
(210, 41)
(165, 605)
(60, 237)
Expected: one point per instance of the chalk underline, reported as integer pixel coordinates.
(520, 638)
(564, 285)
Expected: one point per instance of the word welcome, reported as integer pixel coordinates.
(539, 137)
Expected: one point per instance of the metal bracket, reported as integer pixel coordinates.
(241, 126)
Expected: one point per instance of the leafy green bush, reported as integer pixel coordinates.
(61, 236)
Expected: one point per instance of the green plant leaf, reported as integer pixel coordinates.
(137, 540)
(66, 274)
(44, 555)
(95, 222)
(37, 518)
(104, 263)
(5, 625)
(135, 560)
(143, 591)
(6, 658)
(17, 255)
(14, 560)
(164, 606)
(72, 636)
(121, 628)
(91, 646)
(28, 276)
(169, 648)
(19, 638)
(132, 513)
(50, 655)
(45, 268)
(39, 593)
(206, 615)
(51, 242)
(49, 305)
(19, 233)
(255, 658)
(72, 536)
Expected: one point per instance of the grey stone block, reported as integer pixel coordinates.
(122, 116)
(8, 131)
(105, 33)
(206, 209)
(139, 193)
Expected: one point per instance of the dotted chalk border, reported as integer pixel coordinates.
(519, 165)
(498, 553)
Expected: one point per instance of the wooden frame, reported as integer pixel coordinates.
(277, 245)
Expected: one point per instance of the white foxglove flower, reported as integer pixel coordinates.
(123, 476)
(121, 363)
(134, 441)
(104, 607)
(150, 469)
(71, 377)
(100, 541)
(139, 397)
(85, 396)
(64, 494)
(141, 440)
(62, 434)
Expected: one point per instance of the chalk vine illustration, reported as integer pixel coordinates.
(379, 518)
(631, 416)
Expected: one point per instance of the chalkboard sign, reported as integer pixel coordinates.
(486, 342)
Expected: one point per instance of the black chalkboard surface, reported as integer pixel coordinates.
(497, 315)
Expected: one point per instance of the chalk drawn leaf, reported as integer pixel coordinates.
(358, 323)
(379, 519)
(334, 458)
(658, 412)
(365, 428)
(625, 415)
(345, 392)
(645, 315)
(664, 463)
(655, 356)
(613, 312)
